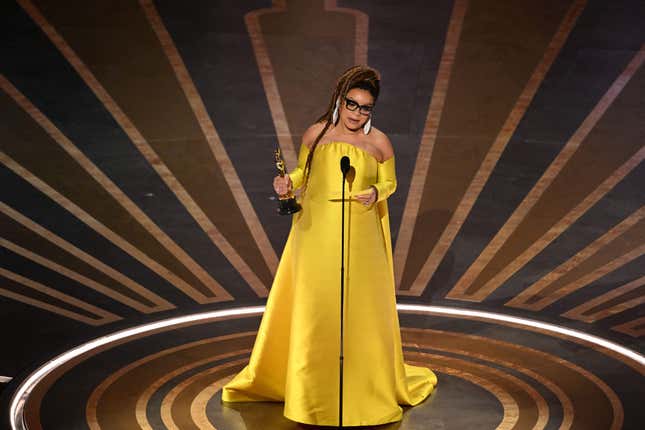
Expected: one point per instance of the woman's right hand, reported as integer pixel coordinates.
(282, 184)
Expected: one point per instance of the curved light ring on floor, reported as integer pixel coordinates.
(442, 310)
(19, 398)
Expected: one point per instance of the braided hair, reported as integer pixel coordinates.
(359, 76)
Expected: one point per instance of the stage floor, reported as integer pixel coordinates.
(492, 374)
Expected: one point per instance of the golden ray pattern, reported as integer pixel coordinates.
(635, 328)
(120, 197)
(71, 274)
(535, 298)
(605, 305)
(105, 317)
(428, 138)
(496, 150)
(538, 190)
(98, 226)
(160, 303)
(147, 151)
(211, 135)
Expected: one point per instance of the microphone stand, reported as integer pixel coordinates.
(344, 167)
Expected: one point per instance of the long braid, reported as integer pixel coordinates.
(356, 76)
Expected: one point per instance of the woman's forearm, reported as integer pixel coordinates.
(297, 175)
(386, 179)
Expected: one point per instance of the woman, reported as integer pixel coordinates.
(295, 358)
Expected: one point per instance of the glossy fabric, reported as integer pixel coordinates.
(295, 358)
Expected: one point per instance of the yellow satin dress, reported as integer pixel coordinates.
(295, 357)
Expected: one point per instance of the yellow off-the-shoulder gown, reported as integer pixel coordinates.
(295, 358)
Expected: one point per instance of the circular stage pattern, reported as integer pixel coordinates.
(492, 374)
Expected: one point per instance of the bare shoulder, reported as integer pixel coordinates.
(311, 133)
(382, 143)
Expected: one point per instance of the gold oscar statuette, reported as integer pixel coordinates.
(287, 203)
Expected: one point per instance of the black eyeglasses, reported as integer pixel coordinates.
(352, 105)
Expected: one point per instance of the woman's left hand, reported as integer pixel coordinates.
(367, 198)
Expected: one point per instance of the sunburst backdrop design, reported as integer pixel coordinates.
(137, 139)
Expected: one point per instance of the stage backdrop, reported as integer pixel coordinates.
(137, 144)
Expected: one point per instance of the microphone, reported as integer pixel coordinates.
(344, 165)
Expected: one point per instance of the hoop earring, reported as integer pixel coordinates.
(334, 116)
(368, 125)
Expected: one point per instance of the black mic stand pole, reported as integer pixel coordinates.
(344, 166)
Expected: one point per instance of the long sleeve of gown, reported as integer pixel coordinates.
(386, 179)
(297, 175)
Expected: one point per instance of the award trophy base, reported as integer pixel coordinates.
(288, 206)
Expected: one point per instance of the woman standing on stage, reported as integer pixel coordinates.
(295, 358)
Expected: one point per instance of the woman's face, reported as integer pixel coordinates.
(362, 102)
